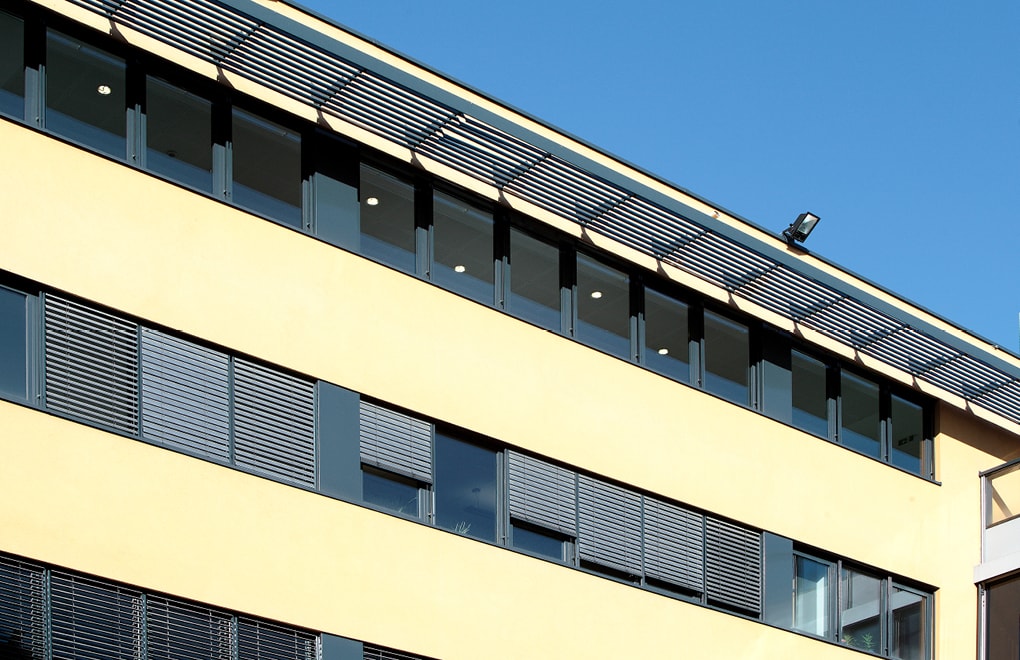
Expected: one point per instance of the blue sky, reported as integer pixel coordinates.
(896, 121)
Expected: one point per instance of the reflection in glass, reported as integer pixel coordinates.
(465, 488)
(907, 638)
(811, 597)
(534, 280)
(266, 160)
(861, 428)
(13, 338)
(178, 135)
(85, 94)
(463, 248)
(810, 403)
(906, 436)
(390, 492)
(603, 306)
(667, 336)
(12, 65)
(860, 604)
(727, 358)
(387, 219)
(537, 542)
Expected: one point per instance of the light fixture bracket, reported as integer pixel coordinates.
(801, 228)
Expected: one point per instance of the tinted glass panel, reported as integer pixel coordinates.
(12, 344)
(85, 95)
(906, 437)
(387, 219)
(12, 65)
(603, 306)
(465, 488)
(534, 280)
(907, 638)
(810, 403)
(178, 134)
(860, 604)
(667, 336)
(811, 596)
(390, 492)
(266, 161)
(463, 248)
(1003, 615)
(861, 429)
(538, 543)
(726, 358)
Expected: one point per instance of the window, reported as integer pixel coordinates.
(86, 99)
(392, 492)
(603, 306)
(907, 435)
(465, 488)
(178, 135)
(810, 401)
(811, 593)
(543, 505)
(534, 273)
(463, 248)
(266, 161)
(908, 632)
(667, 336)
(387, 219)
(537, 541)
(860, 427)
(13, 344)
(12, 65)
(727, 358)
(860, 608)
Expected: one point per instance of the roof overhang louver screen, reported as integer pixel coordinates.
(542, 494)
(609, 530)
(674, 544)
(396, 442)
(733, 565)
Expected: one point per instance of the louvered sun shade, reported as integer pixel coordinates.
(261, 640)
(733, 565)
(379, 653)
(183, 631)
(185, 394)
(610, 525)
(396, 442)
(21, 608)
(92, 620)
(274, 422)
(91, 364)
(542, 494)
(674, 544)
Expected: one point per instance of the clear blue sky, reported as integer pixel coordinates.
(896, 121)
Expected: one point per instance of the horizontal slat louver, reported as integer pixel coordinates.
(274, 422)
(396, 442)
(674, 544)
(91, 364)
(21, 609)
(610, 525)
(260, 640)
(93, 620)
(380, 653)
(182, 631)
(185, 395)
(542, 494)
(733, 565)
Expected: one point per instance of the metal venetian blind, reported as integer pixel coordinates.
(274, 422)
(610, 525)
(182, 631)
(380, 653)
(21, 609)
(542, 494)
(91, 364)
(94, 620)
(185, 394)
(674, 544)
(396, 442)
(260, 640)
(733, 565)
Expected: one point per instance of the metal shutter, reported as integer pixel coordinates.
(542, 494)
(396, 442)
(674, 544)
(733, 565)
(610, 525)
(182, 631)
(91, 364)
(259, 640)
(185, 394)
(21, 609)
(380, 653)
(94, 620)
(274, 422)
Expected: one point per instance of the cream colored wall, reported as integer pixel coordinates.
(121, 238)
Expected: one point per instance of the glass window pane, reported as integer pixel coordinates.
(1002, 618)
(266, 160)
(534, 280)
(860, 604)
(906, 437)
(603, 306)
(390, 492)
(810, 403)
(537, 542)
(811, 597)
(178, 133)
(667, 336)
(12, 65)
(463, 248)
(85, 94)
(909, 630)
(861, 428)
(727, 358)
(465, 488)
(387, 219)
(13, 339)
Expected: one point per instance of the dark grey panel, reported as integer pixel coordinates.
(674, 544)
(542, 494)
(338, 435)
(733, 565)
(609, 525)
(396, 442)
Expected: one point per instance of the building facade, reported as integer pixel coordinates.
(309, 351)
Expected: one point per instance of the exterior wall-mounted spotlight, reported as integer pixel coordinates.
(801, 228)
